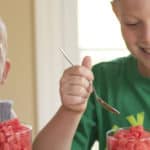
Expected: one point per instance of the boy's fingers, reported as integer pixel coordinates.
(87, 62)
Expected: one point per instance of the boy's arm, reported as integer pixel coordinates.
(59, 132)
(75, 88)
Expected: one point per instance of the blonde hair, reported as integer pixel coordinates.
(112, 1)
(3, 34)
(2, 26)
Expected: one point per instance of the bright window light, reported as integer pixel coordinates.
(99, 34)
(103, 55)
(97, 25)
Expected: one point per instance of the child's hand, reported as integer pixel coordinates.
(76, 86)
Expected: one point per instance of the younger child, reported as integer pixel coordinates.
(124, 83)
(4, 62)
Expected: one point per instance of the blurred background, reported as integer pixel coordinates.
(36, 31)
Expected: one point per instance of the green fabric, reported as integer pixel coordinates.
(121, 85)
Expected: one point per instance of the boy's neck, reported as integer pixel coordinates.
(145, 71)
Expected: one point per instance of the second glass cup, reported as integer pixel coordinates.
(132, 138)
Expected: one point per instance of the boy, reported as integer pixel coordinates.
(123, 83)
(4, 62)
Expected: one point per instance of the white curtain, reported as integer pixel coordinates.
(55, 27)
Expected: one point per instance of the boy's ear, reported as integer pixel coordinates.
(116, 8)
(5, 71)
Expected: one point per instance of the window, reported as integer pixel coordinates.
(98, 31)
(98, 36)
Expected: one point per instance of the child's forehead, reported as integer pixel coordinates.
(134, 3)
(136, 7)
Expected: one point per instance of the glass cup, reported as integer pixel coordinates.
(128, 139)
(25, 137)
(15, 136)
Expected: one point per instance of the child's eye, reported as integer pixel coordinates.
(131, 24)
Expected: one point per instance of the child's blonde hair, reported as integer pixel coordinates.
(114, 1)
(3, 47)
(3, 34)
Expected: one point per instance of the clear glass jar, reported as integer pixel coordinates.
(15, 135)
(128, 139)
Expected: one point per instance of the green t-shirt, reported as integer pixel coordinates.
(120, 84)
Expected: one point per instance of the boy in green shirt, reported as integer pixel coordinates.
(124, 83)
